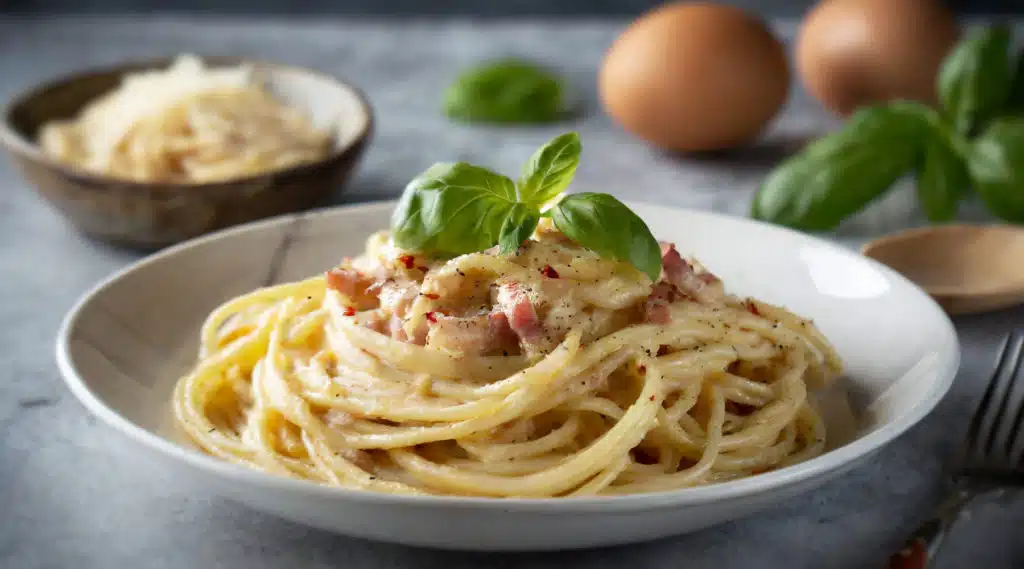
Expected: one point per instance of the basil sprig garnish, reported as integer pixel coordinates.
(452, 209)
(974, 140)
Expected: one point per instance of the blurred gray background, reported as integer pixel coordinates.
(400, 8)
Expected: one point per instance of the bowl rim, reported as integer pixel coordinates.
(944, 370)
(17, 143)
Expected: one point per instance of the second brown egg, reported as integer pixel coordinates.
(694, 76)
(852, 53)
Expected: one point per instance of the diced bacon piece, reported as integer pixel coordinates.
(476, 335)
(348, 282)
(702, 284)
(673, 266)
(656, 307)
(502, 334)
(515, 304)
(657, 311)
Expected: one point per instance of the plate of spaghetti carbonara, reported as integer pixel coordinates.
(499, 364)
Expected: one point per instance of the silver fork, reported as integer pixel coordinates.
(991, 457)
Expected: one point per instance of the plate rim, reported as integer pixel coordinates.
(946, 369)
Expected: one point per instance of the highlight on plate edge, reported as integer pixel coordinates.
(505, 339)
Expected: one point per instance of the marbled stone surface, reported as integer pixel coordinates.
(74, 493)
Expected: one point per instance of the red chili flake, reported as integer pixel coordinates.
(432, 317)
(549, 272)
(423, 268)
(642, 369)
(662, 350)
(752, 308)
(431, 295)
(349, 311)
(653, 398)
(408, 260)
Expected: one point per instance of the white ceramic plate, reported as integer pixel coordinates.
(122, 347)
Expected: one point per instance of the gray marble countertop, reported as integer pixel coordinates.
(74, 493)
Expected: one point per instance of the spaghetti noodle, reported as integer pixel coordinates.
(550, 372)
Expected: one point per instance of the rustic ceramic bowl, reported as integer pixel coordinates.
(151, 215)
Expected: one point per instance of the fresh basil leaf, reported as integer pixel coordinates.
(453, 209)
(410, 227)
(996, 165)
(974, 81)
(942, 180)
(506, 91)
(550, 169)
(604, 224)
(841, 173)
(1015, 104)
(518, 227)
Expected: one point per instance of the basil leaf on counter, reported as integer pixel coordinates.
(604, 224)
(841, 173)
(974, 81)
(518, 227)
(1015, 103)
(942, 180)
(506, 91)
(453, 209)
(996, 165)
(550, 169)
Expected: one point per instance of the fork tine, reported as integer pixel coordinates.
(982, 428)
(1003, 432)
(1014, 445)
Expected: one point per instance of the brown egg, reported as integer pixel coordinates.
(851, 53)
(695, 77)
